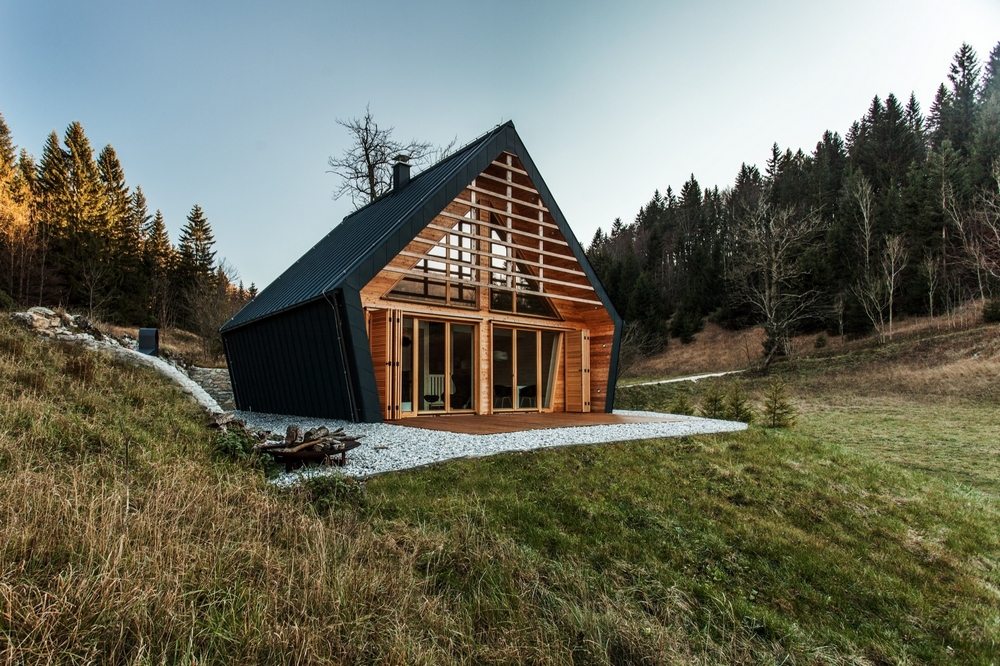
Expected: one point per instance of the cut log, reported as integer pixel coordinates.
(219, 420)
(293, 434)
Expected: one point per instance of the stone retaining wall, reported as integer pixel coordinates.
(215, 381)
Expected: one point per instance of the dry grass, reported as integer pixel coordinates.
(716, 349)
(124, 538)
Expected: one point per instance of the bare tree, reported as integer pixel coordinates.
(979, 230)
(894, 260)
(768, 269)
(875, 288)
(636, 346)
(931, 268)
(212, 302)
(365, 166)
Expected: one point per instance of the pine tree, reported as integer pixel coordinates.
(15, 221)
(161, 261)
(252, 291)
(964, 78)
(196, 243)
(123, 239)
(939, 118)
(713, 402)
(778, 411)
(8, 152)
(84, 247)
(991, 75)
(196, 262)
(53, 202)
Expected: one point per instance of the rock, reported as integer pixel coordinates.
(45, 312)
(23, 318)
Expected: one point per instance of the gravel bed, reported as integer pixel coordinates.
(390, 448)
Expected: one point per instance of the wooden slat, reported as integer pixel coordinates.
(438, 227)
(510, 168)
(445, 275)
(498, 227)
(548, 267)
(511, 199)
(504, 213)
(423, 275)
(497, 179)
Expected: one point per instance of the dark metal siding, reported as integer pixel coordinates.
(292, 364)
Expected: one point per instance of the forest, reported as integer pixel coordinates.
(74, 234)
(900, 216)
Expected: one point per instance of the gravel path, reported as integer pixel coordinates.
(389, 448)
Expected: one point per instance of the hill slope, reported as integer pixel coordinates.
(127, 534)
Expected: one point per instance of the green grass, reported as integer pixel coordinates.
(125, 537)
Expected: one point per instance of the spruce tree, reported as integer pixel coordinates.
(53, 212)
(83, 248)
(964, 78)
(991, 75)
(8, 153)
(161, 261)
(939, 117)
(196, 262)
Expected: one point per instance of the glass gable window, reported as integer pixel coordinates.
(511, 278)
(446, 274)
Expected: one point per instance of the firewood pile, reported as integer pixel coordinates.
(298, 447)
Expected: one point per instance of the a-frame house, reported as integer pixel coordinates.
(461, 290)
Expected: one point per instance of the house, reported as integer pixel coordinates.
(461, 290)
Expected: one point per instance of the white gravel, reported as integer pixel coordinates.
(390, 448)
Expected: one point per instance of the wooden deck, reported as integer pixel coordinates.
(493, 424)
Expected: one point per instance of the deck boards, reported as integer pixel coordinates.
(493, 424)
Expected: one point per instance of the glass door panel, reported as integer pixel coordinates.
(503, 368)
(549, 360)
(406, 357)
(527, 369)
(463, 367)
(431, 384)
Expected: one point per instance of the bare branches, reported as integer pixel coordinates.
(365, 166)
(979, 229)
(769, 269)
(930, 266)
(876, 285)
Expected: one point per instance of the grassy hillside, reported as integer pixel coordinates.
(124, 538)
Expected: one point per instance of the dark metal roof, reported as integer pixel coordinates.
(324, 267)
(360, 246)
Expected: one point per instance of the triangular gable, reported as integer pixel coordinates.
(495, 235)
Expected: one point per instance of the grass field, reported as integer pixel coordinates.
(865, 534)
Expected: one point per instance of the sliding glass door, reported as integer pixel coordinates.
(525, 363)
(438, 367)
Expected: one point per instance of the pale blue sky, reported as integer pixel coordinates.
(233, 104)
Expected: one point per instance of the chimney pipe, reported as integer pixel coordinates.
(400, 171)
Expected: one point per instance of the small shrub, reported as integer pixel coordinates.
(681, 404)
(778, 410)
(327, 492)
(684, 324)
(6, 302)
(713, 402)
(737, 405)
(234, 446)
(821, 341)
(991, 311)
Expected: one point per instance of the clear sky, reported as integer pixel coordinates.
(233, 104)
